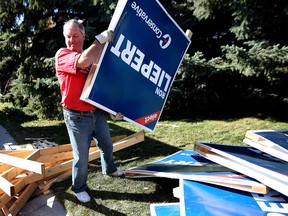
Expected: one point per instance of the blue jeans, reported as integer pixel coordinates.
(82, 128)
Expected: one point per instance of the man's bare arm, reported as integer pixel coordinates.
(93, 53)
(90, 55)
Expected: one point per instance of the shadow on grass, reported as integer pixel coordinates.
(92, 205)
(149, 148)
(12, 119)
(102, 200)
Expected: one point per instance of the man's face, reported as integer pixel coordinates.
(74, 38)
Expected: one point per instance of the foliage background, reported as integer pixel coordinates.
(237, 62)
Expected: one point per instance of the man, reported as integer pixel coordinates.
(84, 121)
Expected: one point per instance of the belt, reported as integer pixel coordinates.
(77, 111)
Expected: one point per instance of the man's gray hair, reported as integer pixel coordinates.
(75, 22)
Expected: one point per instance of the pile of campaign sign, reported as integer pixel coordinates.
(220, 179)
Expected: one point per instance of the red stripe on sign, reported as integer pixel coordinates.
(148, 119)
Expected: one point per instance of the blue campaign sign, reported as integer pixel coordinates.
(273, 142)
(250, 161)
(210, 200)
(136, 71)
(184, 162)
(247, 156)
(277, 137)
(188, 164)
(165, 209)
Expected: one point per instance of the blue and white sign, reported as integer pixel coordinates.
(188, 164)
(210, 200)
(136, 71)
(165, 209)
(249, 161)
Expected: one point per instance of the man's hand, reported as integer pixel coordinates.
(105, 36)
(118, 117)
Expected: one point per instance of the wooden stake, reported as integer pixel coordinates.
(7, 186)
(23, 163)
(23, 198)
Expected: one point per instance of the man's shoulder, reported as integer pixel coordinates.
(62, 51)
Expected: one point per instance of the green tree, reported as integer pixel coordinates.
(31, 33)
(238, 54)
(240, 62)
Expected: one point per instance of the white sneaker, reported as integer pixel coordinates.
(117, 173)
(83, 196)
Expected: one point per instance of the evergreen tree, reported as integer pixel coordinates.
(238, 53)
(242, 64)
(31, 33)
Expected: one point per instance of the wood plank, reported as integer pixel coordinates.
(4, 167)
(56, 149)
(121, 144)
(53, 159)
(260, 188)
(117, 138)
(5, 211)
(13, 172)
(114, 139)
(17, 153)
(129, 141)
(5, 198)
(20, 183)
(45, 185)
(23, 198)
(30, 165)
(7, 186)
(49, 172)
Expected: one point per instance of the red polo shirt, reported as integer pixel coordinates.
(71, 79)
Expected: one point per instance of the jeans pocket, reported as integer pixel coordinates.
(72, 119)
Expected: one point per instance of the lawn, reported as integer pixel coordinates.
(123, 196)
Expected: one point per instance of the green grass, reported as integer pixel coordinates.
(123, 196)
